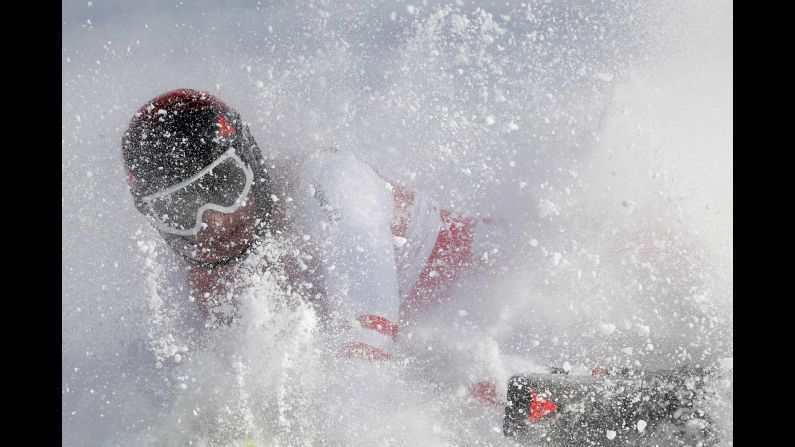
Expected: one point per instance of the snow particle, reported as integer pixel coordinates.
(463, 313)
(606, 77)
(641, 425)
(641, 329)
(611, 434)
(695, 425)
(607, 328)
(545, 208)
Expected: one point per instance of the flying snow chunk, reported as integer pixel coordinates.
(545, 208)
(510, 127)
(611, 434)
(641, 425)
(461, 391)
(695, 425)
(534, 242)
(462, 313)
(399, 241)
(606, 77)
(607, 328)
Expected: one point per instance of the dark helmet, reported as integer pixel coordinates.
(178, 134)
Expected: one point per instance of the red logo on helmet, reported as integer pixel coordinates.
(226, 129)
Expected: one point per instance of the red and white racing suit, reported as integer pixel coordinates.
(385, 250)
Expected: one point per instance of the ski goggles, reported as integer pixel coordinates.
(222, 186)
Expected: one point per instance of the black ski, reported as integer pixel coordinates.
(620, 407)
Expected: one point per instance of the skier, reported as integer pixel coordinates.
(371, 250)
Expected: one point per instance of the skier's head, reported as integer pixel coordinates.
(195, 170)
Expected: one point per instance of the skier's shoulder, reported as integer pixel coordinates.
(334, 186)
(335, 172)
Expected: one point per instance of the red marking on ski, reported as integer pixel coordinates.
(226, 129)
(539, 409)
(487, 391)
(599, 372)
(380, 325)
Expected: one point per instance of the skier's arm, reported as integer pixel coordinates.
(350, 216)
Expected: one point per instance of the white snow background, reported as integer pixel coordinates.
(601, 130)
